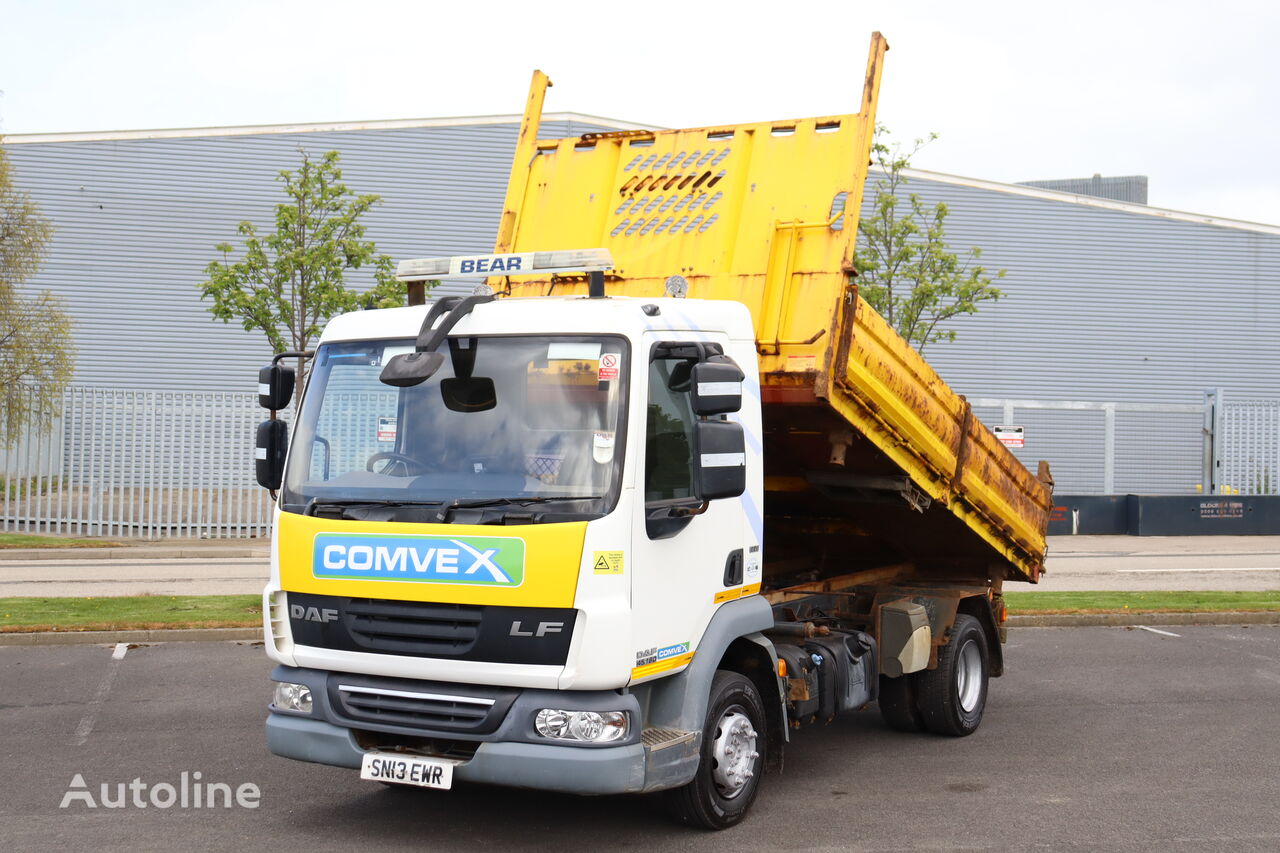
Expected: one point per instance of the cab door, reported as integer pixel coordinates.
(684, 549)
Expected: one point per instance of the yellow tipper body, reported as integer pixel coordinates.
(766, 214)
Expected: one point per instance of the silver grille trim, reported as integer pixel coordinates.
(407, 694)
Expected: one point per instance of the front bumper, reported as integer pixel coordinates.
(507, 749)
(545, 767)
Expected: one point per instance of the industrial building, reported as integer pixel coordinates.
(1117, 317)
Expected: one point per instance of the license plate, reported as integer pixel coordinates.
(408, 769)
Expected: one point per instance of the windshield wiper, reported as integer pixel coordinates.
(343, 505)
(540, 499)
(513, 503)
(359, 509)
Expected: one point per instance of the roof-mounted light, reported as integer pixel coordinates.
(519, 263)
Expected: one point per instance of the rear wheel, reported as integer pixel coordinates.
(734, 739)
(897, 701)
(952, 697)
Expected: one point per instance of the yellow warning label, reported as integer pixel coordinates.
(607, 562)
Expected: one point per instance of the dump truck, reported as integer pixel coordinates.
(662, 492)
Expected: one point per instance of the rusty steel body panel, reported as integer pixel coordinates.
(861, 434)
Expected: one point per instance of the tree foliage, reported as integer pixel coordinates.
(36, 351)
(289, 282)
(907, 271)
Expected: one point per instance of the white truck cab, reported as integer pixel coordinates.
(497, 570)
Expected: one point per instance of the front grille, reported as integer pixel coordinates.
(538, 636)
(416, 628)
(418, 705)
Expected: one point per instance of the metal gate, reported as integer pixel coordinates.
(1243, 444)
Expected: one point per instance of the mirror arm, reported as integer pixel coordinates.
(303, 355)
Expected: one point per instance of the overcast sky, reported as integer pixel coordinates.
(1186, 93)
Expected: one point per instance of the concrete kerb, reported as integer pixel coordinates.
(160, 635)
(1136, 618)
(1075, 620)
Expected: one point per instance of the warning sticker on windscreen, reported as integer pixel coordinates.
(608, 367)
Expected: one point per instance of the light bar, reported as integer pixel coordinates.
(520, 263)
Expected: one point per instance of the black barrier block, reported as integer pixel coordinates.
(1089, 515)
(1165, 515)
(1204, 515)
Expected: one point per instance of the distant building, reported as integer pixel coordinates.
(1106, 298)
(1126, 188)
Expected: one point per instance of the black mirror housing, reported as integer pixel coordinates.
(411, 368)
(275, 386)
(716, 388)
(719, 460)
(270, 448)
(473, 394)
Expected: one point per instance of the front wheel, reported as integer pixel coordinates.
(952, 697)
(734, 739)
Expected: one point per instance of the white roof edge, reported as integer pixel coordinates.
(1092, 201)
(310, 127)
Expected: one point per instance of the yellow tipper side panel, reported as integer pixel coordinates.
(766, 214)
(893, 397)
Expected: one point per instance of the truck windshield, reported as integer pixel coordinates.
(507, 423)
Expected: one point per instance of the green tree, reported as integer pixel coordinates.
(907, 272)
(289, 282)
(36, 350)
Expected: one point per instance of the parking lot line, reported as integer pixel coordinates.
(100, 696)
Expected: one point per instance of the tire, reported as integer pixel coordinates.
(952, 697)
(897, 701)
(734, 743)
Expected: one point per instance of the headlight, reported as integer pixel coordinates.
(589, 726)
(292, 697)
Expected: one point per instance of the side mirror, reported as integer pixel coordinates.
(719, 460)
(275, 386)
(269, 453)
(716, 388)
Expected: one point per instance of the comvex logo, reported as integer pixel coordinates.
(478, 560)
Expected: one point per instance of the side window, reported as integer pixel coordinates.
(669, 435)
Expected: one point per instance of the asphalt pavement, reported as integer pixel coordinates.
(229, 568)
(1249, 563)
(76, 576)
(1097, 739)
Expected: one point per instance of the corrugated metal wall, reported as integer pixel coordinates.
(137, 220)
(1102, 303)
(1110, 305)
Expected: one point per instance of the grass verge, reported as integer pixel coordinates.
(129, 613)
(148, 612)
(27, 540)
(1062, 602)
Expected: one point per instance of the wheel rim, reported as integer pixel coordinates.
(733, 752)
(969, 676)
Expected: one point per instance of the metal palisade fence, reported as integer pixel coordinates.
(1243, 450)
(139, 463)
(1222, 445)
(152, 464)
